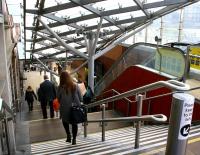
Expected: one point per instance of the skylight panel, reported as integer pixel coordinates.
(28, 45)
(29, 20)
(31, 4)
(151, 1)
(63, 55)
(62, 28)
(28, 34)
(73, 12)
(123, 16)
(113, 4)
(155, 9)
(89, 22)
(49, 51)
(50, 3)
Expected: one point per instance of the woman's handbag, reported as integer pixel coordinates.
(78, 114)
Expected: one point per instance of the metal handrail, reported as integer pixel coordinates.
(171, 84)
(115, 91)
(156, 118)
(166, 94)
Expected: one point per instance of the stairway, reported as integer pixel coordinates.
(118, 142)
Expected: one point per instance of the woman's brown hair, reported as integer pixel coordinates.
(66, 82)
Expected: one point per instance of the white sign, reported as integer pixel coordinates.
(186, 117)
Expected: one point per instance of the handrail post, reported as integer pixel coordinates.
(139, 113)
(103, 123)
(179, 124)
(85, 127)
(128, 109)
(113, 102)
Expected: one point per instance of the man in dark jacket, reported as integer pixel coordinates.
(47, 94)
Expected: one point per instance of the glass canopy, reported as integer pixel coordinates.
(74, 20)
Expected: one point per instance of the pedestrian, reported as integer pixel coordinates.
(47, 94)
(68, 93)
(29, 97)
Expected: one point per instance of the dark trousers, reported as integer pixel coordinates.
(44, 109)
(74, 130)
(30, 105)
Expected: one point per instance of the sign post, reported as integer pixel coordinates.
(180, 122)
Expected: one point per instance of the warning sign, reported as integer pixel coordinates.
(186, 116)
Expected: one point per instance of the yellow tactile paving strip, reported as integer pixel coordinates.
(194, 83)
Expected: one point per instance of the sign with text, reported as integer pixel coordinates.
(186, 116)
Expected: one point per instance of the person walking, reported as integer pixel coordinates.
(68, 93)
(47, 94)
(29, 97)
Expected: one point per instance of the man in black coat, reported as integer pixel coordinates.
(47, 94)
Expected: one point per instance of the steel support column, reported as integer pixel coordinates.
(91, 61)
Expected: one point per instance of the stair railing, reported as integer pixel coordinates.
(171, 84)
(118, 93)
(4, 118)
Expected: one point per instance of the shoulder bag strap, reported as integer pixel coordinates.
(73, 97)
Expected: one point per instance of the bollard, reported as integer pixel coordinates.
(139, 113)
(179, 124)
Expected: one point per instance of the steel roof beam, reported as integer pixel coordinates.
(60, 7)
(37, 23)
(129, 20)
(62, 20)
(56, 46)
(47, 56)
(142, 8)
(47, 45)
(75, 51)
(67, 6)
(105, 13)
(96, 12)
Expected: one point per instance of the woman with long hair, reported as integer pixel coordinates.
(68, 93)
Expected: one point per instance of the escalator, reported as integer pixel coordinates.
(165, 59)
(140, 65)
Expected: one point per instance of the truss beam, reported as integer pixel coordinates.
(142, 8)
(96, 12)
(75, 51)
(37, 22)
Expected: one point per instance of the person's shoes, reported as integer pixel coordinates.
(74, 142)
(68, 140)
(45, 117)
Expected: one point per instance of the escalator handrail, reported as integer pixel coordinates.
(171, 84)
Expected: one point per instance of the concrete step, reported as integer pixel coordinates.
(118, 142)
(50, 129)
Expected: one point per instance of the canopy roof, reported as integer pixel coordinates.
(73, 20)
